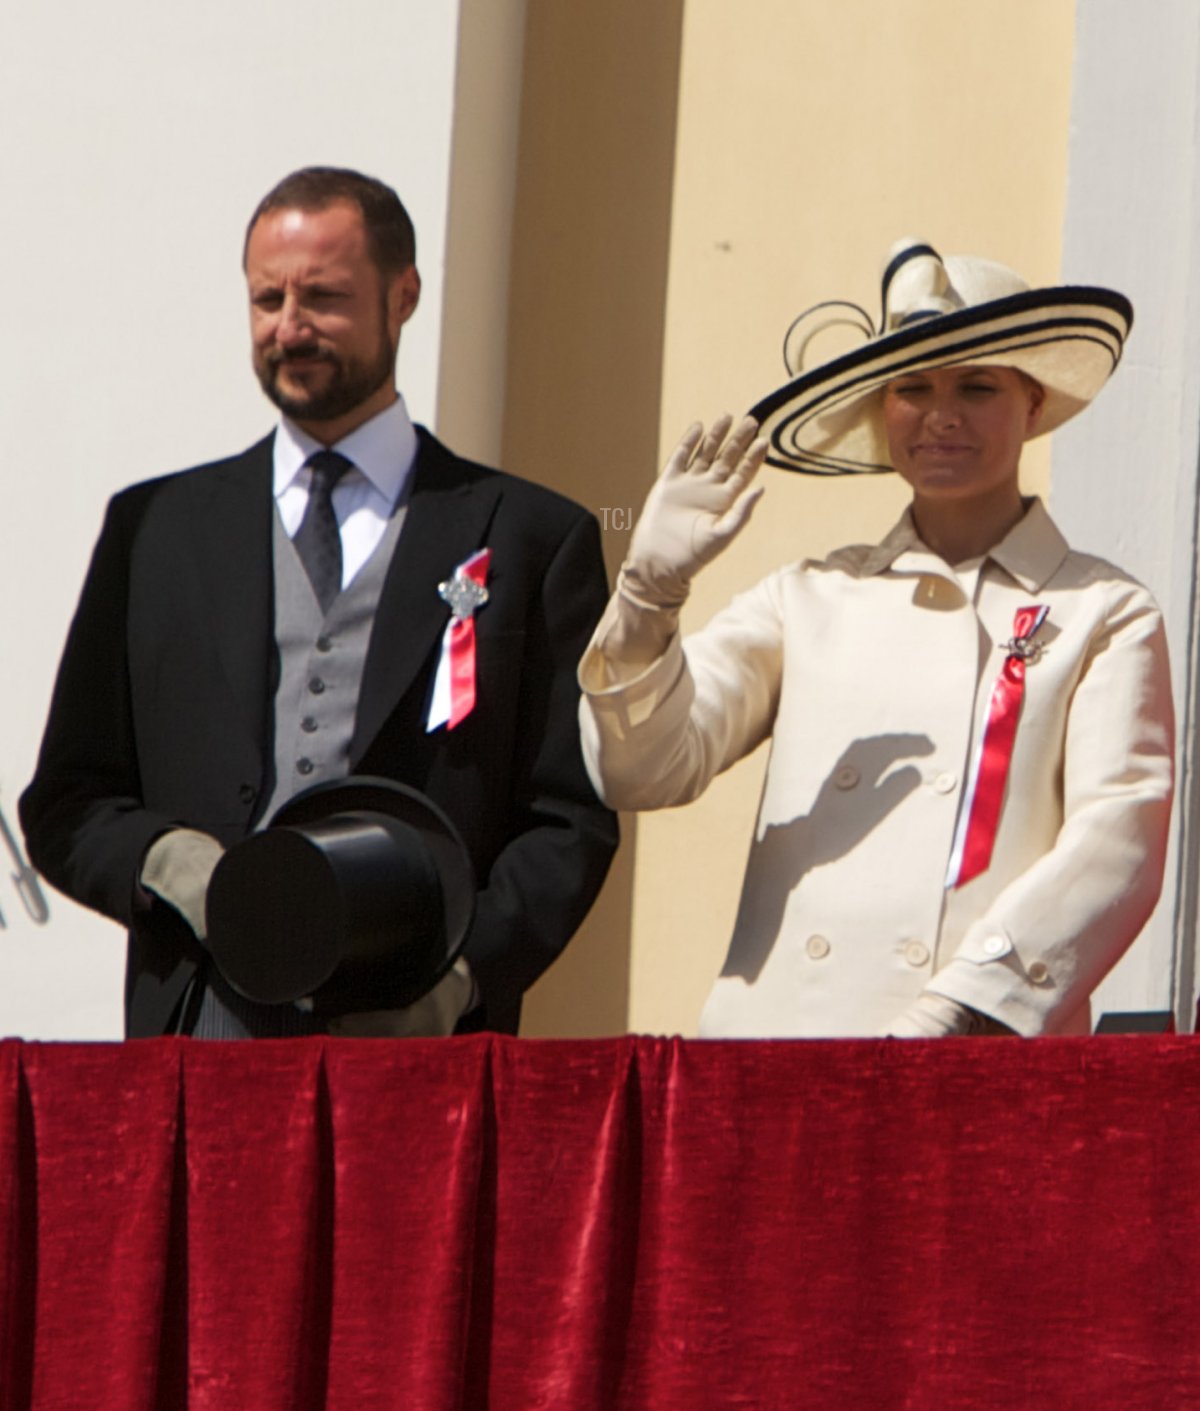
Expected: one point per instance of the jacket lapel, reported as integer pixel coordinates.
(233, 533)
(449, 511)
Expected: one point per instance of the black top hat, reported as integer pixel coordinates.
(359, 894)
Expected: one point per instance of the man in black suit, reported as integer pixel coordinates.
(280, 618)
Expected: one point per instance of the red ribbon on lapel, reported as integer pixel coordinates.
(461, 641)
(979, 815)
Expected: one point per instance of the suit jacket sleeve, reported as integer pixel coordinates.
(561, 837)
(83, 814)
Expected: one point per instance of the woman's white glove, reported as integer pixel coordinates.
(698, 504)
(932, 1016)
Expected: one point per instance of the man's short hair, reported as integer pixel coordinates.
(391, 240)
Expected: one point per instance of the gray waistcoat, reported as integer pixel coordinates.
(321, 660)
(321, 666)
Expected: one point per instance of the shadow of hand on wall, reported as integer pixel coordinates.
(868, 781)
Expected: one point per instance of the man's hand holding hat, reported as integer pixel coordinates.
(433, 1016)
(177, 868)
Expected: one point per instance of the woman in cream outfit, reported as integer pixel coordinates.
(918, 869)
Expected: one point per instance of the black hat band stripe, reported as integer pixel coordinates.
(912, 252)
(960, 322)
(1061, 331)
(782, 435)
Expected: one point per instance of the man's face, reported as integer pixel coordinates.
(324, 322)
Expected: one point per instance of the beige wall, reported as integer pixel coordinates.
(589, 277)
(808, 137)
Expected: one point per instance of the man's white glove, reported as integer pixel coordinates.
(932, 1016)
(178, 867)
(697, 505)
(430, 1017)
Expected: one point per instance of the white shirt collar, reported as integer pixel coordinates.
(383, 449)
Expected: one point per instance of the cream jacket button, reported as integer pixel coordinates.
(846, 777)
(995, 945)
(1038, 973)
(817, 947)
(946, 782)
(916, 954)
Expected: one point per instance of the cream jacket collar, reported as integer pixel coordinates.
(1031, 552)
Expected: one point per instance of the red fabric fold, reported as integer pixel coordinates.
(487, 1222)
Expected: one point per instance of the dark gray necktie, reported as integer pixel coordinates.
(318, 541)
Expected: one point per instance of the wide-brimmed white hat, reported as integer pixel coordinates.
(829, 420)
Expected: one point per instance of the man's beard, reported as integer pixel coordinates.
(350, 384)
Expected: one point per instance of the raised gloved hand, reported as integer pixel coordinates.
(430, 1017)
(698, 504)
(178, 867)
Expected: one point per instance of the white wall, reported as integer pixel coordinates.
(1124, 480)
(137, 137)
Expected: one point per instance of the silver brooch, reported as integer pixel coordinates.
(463, 595)
(1024, 648)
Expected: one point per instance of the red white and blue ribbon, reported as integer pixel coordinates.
(453, 696)
(979, 815)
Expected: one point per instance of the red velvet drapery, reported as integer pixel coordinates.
(516, 1225)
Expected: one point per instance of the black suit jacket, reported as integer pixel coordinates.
(162, 711)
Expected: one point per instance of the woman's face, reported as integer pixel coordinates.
(957, 432)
